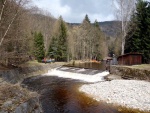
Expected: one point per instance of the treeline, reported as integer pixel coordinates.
(29, 33)
(88, 41)
(83, 42)
(136, 32)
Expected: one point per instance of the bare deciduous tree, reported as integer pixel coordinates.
(19, 3)
(86, 42)
(12, 29)
(124, 9)
(2, 9)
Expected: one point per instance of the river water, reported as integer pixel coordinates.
(61, 95)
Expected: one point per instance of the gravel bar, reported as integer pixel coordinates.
(129, 93)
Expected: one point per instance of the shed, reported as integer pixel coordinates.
(130, 59)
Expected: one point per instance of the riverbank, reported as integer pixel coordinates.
(13, 97)
(128, 86)
(28, 69)
(136, 72)
(127, 93)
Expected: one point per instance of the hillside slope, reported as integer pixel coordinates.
(110, 28)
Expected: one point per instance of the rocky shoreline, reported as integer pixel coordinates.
(17, 99)
(133, 94)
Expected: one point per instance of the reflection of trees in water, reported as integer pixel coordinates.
(90, 65)
(58, 95)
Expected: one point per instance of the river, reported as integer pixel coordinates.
(61, 95)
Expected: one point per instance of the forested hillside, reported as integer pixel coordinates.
(27, 32)
(110, 28)
(23, 28)
(18, 24)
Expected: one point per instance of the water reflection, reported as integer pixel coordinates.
(60, 95)
(90, 65)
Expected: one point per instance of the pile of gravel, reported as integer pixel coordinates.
(129, 93)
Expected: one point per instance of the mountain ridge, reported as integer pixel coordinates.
(110, 28)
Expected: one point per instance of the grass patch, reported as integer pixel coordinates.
(36, 63)
(31, 63)
(141, 66)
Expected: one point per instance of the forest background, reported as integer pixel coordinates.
(27, 32)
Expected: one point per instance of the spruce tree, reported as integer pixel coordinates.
(39, 46)
(87, 19)
(138, 39)
(53, 49)
(63, 40)
(58, 46)
(96, 24)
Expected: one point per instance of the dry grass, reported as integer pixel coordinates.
(14, 93)
(35, 63)
(142, 66)
(3, 68)
(31, 63)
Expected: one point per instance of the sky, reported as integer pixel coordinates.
(74, 11)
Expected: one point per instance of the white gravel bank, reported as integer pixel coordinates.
(129, 93)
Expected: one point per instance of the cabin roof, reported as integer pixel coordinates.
(129, 54)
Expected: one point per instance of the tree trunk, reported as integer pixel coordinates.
(8, 29)
(2, 10)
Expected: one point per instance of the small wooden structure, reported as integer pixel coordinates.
(130, 59)
(108, 62)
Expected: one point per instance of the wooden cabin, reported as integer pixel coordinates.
(130, 59)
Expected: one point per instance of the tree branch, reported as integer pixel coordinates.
(2, 10)
(8, 28)
(10, 22)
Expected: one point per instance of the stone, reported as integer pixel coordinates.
(7, 104)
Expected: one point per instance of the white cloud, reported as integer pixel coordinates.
(75, 10)
(100, 17)
(53, 7)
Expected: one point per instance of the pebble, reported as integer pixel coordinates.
(129, 93)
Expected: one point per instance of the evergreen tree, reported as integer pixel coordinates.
(87, 19)
(62, 41)
(39, 46)
(58, 46)
(53, 49)
(96, 24)
(138, 38)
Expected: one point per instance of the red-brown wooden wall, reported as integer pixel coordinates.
(130, 59)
